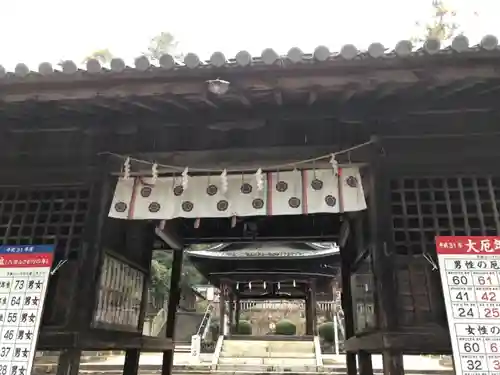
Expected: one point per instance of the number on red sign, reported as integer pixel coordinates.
(493, 312)
(494, 347)
(489, 296)
(484, 280)
(496, 364)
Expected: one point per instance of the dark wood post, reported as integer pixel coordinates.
(383, 264)
(237, 314)
(222, 308)
(231, 313)
(173, 301)
(365, 363)
(69, 362)
(307, 303)
(132, 356)
(346, 300)
(88, 264)
(312, 304)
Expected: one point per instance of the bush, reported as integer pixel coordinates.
(244, 328)
(326, 332)
(285, 327)
(214, 330)
(207, 346)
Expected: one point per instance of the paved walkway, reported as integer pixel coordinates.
(411, 362)
(153, 359)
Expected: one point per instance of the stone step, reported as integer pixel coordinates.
(284, 346)
(238, 348)
(251, 353)
(267, 368)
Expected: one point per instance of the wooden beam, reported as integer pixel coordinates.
(171, 101)
(458, 87)
(278, 97)
(140, 104)
(433, 339)
(205, 99)
(312, 97)
(299, 76)
(168, 235)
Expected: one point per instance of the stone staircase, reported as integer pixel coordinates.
(267, 356)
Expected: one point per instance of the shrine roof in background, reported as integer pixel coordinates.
(266, 252)
(267, 261)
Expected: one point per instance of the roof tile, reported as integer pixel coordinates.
(403, 49)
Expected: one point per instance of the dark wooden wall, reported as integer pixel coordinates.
(410, 204)
(69, 209)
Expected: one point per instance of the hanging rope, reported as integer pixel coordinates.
(166, 168)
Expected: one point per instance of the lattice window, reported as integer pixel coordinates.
(425, 207)
(422, 208)
(47, 215)
(54, 215)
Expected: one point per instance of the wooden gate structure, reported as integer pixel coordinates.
(427, 119)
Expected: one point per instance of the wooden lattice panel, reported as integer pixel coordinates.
(54, 215)
(425, 207)
(48, 215)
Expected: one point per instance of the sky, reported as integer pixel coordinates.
(33, 31)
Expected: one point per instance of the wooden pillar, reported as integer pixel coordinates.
(237, 313)
(308, 312)
(69, 362)
(173, 302)
(231, 314)
(312, 304)
(365, 363)
(346, 254)
(131, 364)
(222, 309)
(392, 363)
(80, 312)
(383, 263)
(132, 356)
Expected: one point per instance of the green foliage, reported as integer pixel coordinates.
(442, 24)
(244, 328)
(326, 332)
(161, 269)
(104, 56)
(160, 279)
(285, 327)
(163, 43)
(214, 330)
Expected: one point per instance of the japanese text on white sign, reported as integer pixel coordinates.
(470, 275)
(24, 272)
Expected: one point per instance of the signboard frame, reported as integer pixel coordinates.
(119, 295)
(24, 276)
(469, 267)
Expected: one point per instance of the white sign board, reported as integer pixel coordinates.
(24, 273)
(470, 275)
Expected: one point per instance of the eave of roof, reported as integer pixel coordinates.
(269, 58)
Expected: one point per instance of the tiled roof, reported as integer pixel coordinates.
(269, 57)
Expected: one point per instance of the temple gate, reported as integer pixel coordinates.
(388, 150)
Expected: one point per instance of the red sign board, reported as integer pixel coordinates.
(470, 275)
